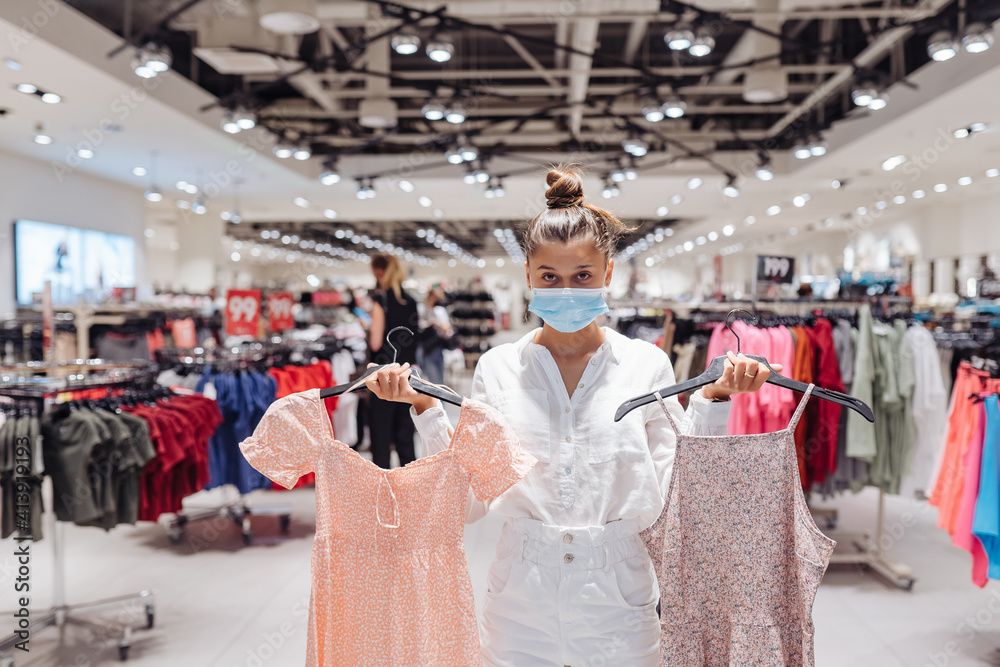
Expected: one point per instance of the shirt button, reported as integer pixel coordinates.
(569, 439)
(593, 362)
(568, 538)
(580, 386)
(567, 470)
(568, 558)
(568, 408)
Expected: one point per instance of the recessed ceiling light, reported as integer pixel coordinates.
(329, 214)
(27, 88)
(12, 64)
(688, 246)
(899, 199)
(694, 183)
(406, 186)
(836, 185)
(85, 153)
(662, 211)
(862, 210)
(676, 199)
(728, 230)
(965, 180)
(749, 220)
(961, 133)
(51, 98)
(893, 162)
(713, 236)
(139, 171)
(301, 202)
(940, 187)
(919, 194)
(799, 201)
(992, 173)
(424, 201)
(773, 210)
(43, 139)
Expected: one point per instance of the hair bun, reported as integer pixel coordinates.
(565, 189)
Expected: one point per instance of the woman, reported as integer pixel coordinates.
(435, 336)
(572, 583)
(389, 422)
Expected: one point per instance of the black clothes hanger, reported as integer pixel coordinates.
(415, 381)
(715, 371)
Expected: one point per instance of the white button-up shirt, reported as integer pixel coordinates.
(591, 469)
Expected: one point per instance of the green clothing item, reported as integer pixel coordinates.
(71, 439)
(894, 429)
(860, 433)
(17, 435)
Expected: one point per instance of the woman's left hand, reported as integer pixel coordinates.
(741, 375)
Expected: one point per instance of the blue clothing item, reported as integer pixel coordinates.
(569, 309)
(986, 519)
(239, 397)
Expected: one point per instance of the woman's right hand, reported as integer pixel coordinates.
(392, 383)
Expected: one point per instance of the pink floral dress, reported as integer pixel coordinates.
(390, 586)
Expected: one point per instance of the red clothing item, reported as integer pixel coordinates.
(823, 416)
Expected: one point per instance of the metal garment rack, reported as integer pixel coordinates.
(60, 614)
(858, 549)
(239, 511)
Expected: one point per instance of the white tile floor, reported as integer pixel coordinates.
(221, 604)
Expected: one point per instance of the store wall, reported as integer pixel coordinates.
(31, 190)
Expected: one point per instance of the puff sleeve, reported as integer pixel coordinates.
(288, 441)
(489, 452)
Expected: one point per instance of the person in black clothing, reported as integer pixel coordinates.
(389, 422)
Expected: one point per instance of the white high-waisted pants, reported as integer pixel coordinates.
(580, 597)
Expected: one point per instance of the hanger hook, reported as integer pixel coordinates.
(392, 331)
(730, 327)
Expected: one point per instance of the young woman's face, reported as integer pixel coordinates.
(577, 263)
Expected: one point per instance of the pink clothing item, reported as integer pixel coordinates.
(782, 405)
(747, 411)
(963, 537)
(390, 585)
(738, 562)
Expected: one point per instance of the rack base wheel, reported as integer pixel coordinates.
(150, 616)
(284, 521)
(123, 653)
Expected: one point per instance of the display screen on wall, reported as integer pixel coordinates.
(82, 264)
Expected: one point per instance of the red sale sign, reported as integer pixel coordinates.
(279, 310)
(242, 312)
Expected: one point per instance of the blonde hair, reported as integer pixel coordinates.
(567, 217)
(393, 275)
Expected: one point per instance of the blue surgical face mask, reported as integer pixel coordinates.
(569, 309)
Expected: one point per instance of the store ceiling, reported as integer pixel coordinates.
(181, 119)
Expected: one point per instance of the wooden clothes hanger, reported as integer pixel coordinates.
(716, 369)
(415, 381)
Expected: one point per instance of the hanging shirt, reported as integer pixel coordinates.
(591, 469)
(861, 433)
(986, 520)
(824, 416)
(930, 403)
(390, 584)
(963, 537)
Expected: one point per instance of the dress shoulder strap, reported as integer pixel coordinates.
(802, 406)
(663, 405)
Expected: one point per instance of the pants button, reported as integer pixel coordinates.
(568, 558)
(568, 538)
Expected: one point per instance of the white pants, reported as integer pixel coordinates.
(579, 597)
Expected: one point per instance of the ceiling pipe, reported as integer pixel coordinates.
(585, 40)
(766, 81)
(873, 53)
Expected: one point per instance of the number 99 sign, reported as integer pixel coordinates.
(242, 312)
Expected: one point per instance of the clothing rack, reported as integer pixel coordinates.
(863, 549)
(238, 509)
(42, 391)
